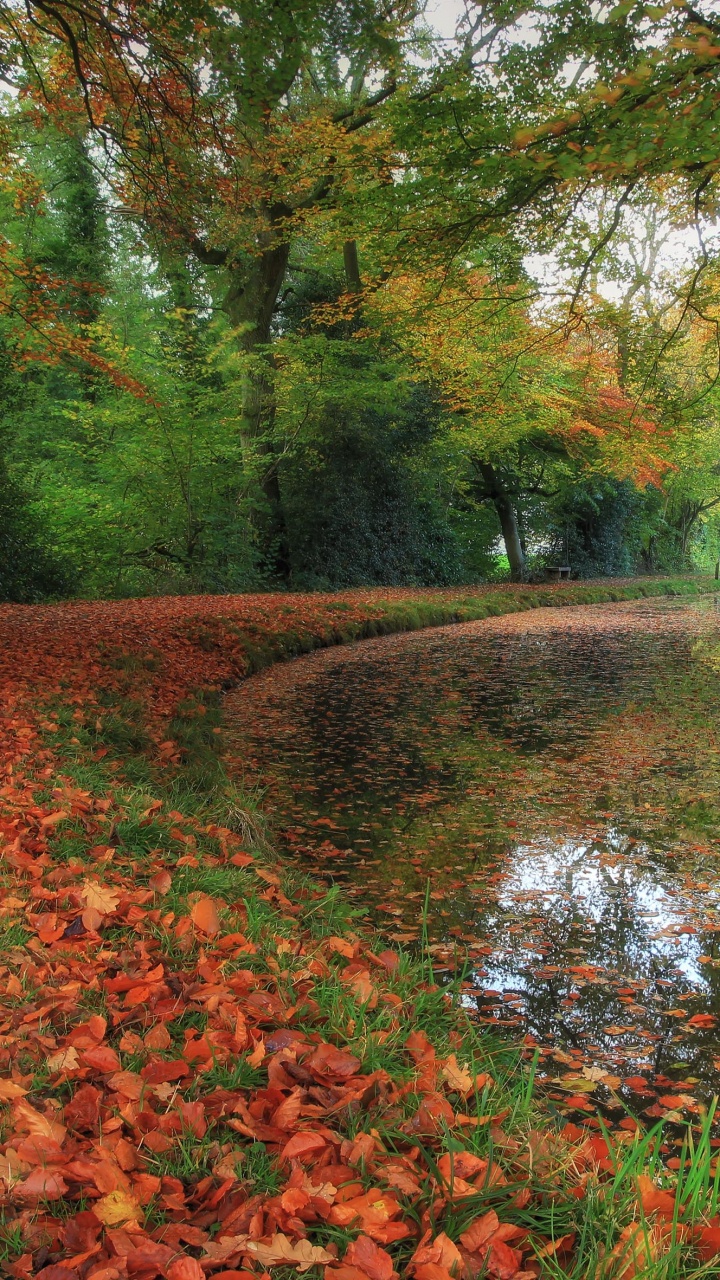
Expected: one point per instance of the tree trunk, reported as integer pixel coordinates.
(508, 521)
(250, 300)
(684, 525)
(352, 266)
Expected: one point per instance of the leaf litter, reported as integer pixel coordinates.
(199, 1074)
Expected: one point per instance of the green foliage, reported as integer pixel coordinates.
(30, 568)
(359, 508)
(313, 360)
(595, 528)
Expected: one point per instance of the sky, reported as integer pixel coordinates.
(681, 246)
(443, 15)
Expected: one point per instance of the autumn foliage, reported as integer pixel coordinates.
(179, 1097)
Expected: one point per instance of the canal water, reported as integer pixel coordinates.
(538, 798)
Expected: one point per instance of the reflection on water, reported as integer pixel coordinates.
(628, 925)
(549, 782)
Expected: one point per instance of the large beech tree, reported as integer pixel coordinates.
(232, 133)
(227, 130)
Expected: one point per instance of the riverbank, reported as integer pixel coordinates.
(205, 1069)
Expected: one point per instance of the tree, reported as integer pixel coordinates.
(518, 392)
(246, 146)
(516, 131)
(229, 129)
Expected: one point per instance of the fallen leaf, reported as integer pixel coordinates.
(41, 1184)
(185, 1268)
(204, 915)
(370, 1258)
(98, 897)
(64, 1060)
(116, 1207)
(456, 1077)
(653, 1199)
(281, 1251)
(10, 1089)
(302, 1145)
(480, 1231)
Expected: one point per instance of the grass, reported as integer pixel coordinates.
(435, 608)
(169, 818)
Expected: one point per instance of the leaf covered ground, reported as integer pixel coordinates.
(204, 1069)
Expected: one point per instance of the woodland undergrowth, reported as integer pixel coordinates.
(206, 1067)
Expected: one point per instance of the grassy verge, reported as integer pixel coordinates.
(362, 616)
(205, 1068)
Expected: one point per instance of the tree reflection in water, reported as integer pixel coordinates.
(550, 781)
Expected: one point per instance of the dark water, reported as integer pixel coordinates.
(546, 788)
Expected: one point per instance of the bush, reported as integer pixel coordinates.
(359, 508)
(30, 570)
(595, 528)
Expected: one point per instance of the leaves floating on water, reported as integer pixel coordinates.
(548, 782)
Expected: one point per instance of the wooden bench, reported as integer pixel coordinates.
(556, 572)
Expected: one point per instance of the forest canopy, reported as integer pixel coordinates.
(339, 292)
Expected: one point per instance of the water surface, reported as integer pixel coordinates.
(546, 784)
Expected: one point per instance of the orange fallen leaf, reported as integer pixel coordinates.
(480, 1231)
(98, 897)
(707, 1241)
(302, 1145)
(116, 1207)
(42, 1184)
(653, 1199)
(636, 1250)
(10, 1089)
(185, 1268)
(101, 1058)
(204, 915)
(440, 1253)
(258, 1054)
(370, 1258)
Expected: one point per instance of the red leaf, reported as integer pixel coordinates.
(150, 1258)
(164, 1072)
(41, 1184)
(103, 1058)
(327, 1062)
(370, 1258)
(707, 1242)
(82, 1113)
(303, 1144)
(186, 1268)
(653, 1199)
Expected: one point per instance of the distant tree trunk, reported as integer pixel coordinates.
(352, 266)
(502, 502)
(647, 555)
(250, 301)
(684, 524)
